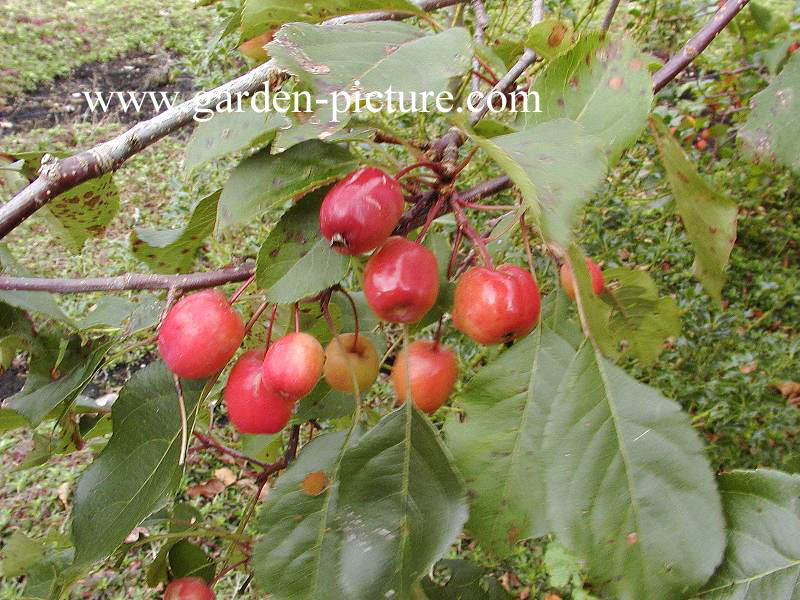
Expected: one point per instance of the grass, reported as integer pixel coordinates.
(722, 368)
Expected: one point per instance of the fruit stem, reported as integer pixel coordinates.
(355, 317)
(463, 165)
(487, 207)
(208, 441)
(227, 570)
(454, 253)
(271, 323)
(242, 288)
(256, 315)
(184, 426)
(432, 212)
(527, 242)
(474, 236)
(438, 335)
(435, 167)
(297, 317)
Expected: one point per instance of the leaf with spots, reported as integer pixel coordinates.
(229, 132)
(295, 261)
(336, 61)
(628, 488)
(265, 179)
(772, 130)
(260, 15)
(497, 441)
(708, 216)
(604, 86)
(173, 250)
(557, 167)
(550, 38)
(762, 508)
(139, 466)
(82, 212)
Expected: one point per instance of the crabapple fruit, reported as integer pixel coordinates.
(401, 281)
(433, 374)
(493, 306)
(361, 356)
(251, 407)
(568, 279)
(188, 588)
(293, 365)
(200, 334)
(360, 211)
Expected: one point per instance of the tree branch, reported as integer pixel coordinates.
(612, 8)
(537, 12)
(57, 176)
(698, 43)
(131, 281)
(481, 21)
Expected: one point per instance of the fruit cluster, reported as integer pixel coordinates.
(492, 305)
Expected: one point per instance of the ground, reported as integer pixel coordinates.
(724, 368)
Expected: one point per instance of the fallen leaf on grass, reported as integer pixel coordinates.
(209, 489)
(225, 475)
(748, 367)
(790, 390)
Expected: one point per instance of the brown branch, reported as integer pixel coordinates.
(481, 21)
(506, 81)
(698, 43)
(59, 175)
(209, 442)
(131, 281)
(612, 8)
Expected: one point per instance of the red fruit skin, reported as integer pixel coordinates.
(252, 408)
(434, 371)
(496, 306)
(793, 47)
(200, 334)
(568, 280)
(401, 281)
(293, 365)
(188, 588)
(360, 211)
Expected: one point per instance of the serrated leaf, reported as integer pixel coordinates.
(498, 446)
(605, 86)
(264, 180)
(772, 131)
(139, 466)
(401, 505)
(550, 38)
(295, 261)
(466, 581)
(173, 250)
(323, 402)
(82, 212)
(229, 132)
(391, 505)
(260, 15)
(762, 509)
(628, 488)
(335, 61)
(41, 302)
(557, 167)
(708, 216)
(37, 404)
(190, 560)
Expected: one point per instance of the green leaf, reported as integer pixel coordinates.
(771, 132)
(762, 508)
(604, 86)
(260, 15)
(557, 167)
(19, 553)
(264, 180)
(37, 404)
(11, 419)
(41, 302)
(182, 518)
(374, 521)
(628, 488)
(498, 446)
(229, 132)
(82, 212)
(295, 261)
(139, 466)
(336, 61)
(173, 250)
(401, 505)
(550, 38)
(639, 319)
(466, 581)
(708, 216)
(324, 402)
(190, 560)
(129, 316)
(16, 332)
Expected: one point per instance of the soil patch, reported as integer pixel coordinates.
(62, 101)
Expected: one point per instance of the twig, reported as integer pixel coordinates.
(612, 8)
(527, 59)
(537, 12)
(241, 289)
(209, 442)
(131, 281)
(256, 315)
(474, 237)
(697, 43)
(481, 21)
(57, 176)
